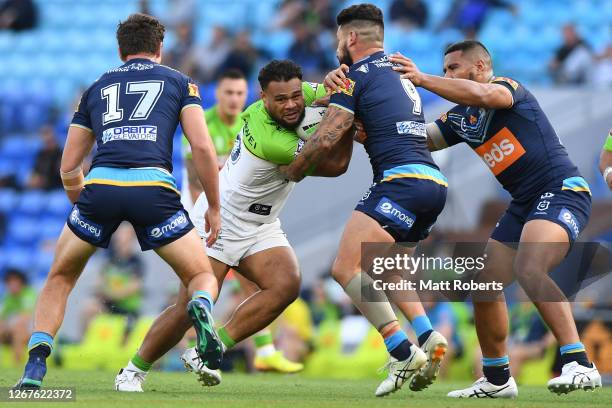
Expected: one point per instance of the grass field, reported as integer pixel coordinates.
(95, 389)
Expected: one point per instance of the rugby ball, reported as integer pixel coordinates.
(310, 123)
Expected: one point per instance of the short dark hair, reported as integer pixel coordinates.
(364, 11)
(467, 45)
(15, 273)
(231, 73)
(278, 70)
(140, 33)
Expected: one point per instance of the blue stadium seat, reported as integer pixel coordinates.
(57, 204)
(44, 260)
(9, 199)
(22, 230)
(20, 258)
(51, 226)
(32, 202)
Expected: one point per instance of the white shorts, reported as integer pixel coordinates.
(238, 238)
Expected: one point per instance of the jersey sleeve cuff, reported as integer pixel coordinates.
(81, 126)
(342, 107)
(191, 105)
(435, 134)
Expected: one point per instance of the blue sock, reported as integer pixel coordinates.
(205, 298)
(496, 370)
(574, 352)
(398, 345)
(40, 339)
(422, 327)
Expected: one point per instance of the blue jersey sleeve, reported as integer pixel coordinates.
(81, 116)
(517, 91)
(190, 94)
(348, 96)
(450, 137)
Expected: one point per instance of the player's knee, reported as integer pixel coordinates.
(342, 273)
(529, 270)
(288, 289)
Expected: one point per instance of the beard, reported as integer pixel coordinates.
(345, 57)
(289, 126)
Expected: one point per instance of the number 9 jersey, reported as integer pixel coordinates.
(133, 111)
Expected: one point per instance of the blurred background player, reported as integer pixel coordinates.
(253, 193)
(406, 181)
(16, 311)
(504, 124)
(119, 288)
(224, 124)
(605, 161)
(131, 112)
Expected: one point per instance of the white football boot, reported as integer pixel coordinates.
(575, 377)
(129, 381)
(401, 371)
(193, 363)
(482, 388)
(435, 348)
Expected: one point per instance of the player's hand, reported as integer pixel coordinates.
(360, 135)
(406, 68)
(335, 80)
(212, 225)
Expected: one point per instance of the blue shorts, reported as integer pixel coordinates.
(155, 212)
(568, 205)
(406, 206)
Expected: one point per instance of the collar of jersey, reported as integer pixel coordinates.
(368, 57)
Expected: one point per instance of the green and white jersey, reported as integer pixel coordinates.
(252, 188)
(223, 137)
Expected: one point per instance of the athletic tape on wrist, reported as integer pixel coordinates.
(73, 179)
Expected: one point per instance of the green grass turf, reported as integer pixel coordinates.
(95, 389)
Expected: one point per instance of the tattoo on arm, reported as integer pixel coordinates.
(333, 126)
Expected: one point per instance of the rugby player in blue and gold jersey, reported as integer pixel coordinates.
(407, 194)
(551, 203)
(131, 112)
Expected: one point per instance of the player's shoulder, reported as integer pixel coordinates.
(502, 80)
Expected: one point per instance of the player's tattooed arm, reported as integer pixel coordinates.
(460, 91)
(333, 126)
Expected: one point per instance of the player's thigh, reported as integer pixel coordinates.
(274, 268)
(544, 244)
(71, 255)
(186, 256)
(359, 228)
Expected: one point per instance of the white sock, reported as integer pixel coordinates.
(132, 367)
(265, 351)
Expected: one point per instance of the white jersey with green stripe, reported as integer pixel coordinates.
(252, 187)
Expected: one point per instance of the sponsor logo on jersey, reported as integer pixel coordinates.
(566, 217)
(298, 149)
(170, 227)
(193, 90)
(85, 226)
(364, 68)
(501, 151)
(260, 209)
(143, 132)
(235, 154)
(509, 81)
(547, 195)
(313, 85)
(410, 127)
(396, 213)
(348, 88)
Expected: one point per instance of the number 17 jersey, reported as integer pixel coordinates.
(133, 111)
